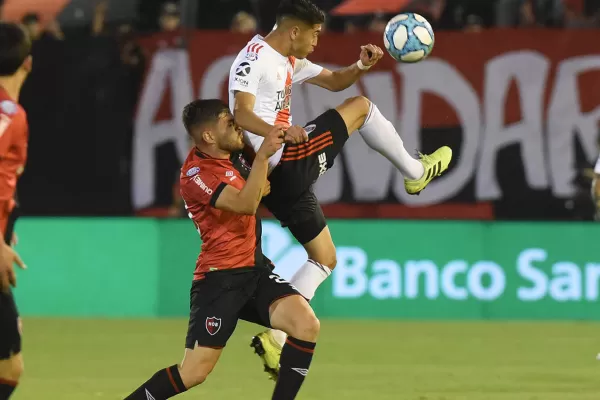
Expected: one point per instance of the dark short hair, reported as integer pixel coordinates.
(15, 47)
(200, 112)
(303, 10)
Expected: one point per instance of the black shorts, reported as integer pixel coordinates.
(292, 200)
(223, 297)
(10, 331)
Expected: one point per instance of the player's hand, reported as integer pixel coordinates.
(8, 257)
(267, 189)
(272, 143)
(295, 135)
(370, 55)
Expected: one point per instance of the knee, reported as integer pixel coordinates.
(327, 258)
(13, 369)
(361, 104)
(308, 328)
(191, 376)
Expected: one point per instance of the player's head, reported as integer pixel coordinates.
(210, 124)
(15, 51)
(301, 21)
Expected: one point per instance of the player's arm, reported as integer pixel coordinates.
(243, 113)
(341, 79)
(247, 200)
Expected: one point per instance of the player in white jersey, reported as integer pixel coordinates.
(260, 93)
(596, 189)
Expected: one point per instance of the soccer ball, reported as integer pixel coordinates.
(408, 38)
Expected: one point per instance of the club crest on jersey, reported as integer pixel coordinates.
(8, 107)
(309, 128)
(192, 171)
(213, 325)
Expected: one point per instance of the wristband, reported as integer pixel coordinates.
(362, 66)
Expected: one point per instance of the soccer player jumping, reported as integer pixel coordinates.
(233, 279)
(15, 65)
(260, 92)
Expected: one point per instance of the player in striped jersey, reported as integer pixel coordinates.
(260, 93)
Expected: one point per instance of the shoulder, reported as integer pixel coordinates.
(11, 109)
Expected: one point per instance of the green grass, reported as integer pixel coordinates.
(94, 359)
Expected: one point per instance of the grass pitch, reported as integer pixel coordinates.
(355, 360)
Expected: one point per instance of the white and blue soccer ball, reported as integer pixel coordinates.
(408, 38)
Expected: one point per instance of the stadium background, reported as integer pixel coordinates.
(501, 304)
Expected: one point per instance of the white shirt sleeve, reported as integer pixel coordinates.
(244, 76)
(305, 70)
(597, 169)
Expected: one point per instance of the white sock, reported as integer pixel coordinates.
(307, 279)
(380, 135)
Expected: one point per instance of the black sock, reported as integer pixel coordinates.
(296, 356)
(6, 388)
(164, 384)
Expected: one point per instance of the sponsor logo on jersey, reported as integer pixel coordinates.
(284, 98)
(241, 81)
(243, 69)
(251, 56)
(192, 171)
(228, 173)
(202, 185)
(8, 107)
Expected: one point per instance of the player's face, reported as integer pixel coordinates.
(306, 40)
(229, 137)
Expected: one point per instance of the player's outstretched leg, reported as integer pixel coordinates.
(361, 114)
(171, 381)
(294, 316)
(322, 260)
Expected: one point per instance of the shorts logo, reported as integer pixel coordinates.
(213, 325)
(243, 69)
(309, 128)
(322, 163)
(192, 171)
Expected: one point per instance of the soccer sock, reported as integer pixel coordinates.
(164, 384)
(307, 279)
(380, 135)
(6, 388)
(296, 357)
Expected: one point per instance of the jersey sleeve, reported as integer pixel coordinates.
(245, 75)
(597, 168)
(305, 70)
(203, 188)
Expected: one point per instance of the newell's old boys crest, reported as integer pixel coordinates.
(213, 325)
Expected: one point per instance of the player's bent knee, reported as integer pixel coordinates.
(309, 328)
(12, 369)
(354, 112)
(328, 258)
(197, 365)
(306, 327)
